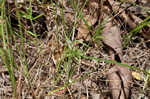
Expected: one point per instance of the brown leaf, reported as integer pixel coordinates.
(133, 21)
(92, 8)
(114, 84)
(120, 79)
(83, 31)
(126, 78)
(114, 5)
(112, 37)
(128, 20)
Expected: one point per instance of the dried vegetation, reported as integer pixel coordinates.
(77, 49)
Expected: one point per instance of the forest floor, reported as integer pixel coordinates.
(75, 49)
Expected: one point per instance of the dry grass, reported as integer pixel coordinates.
(49, 62)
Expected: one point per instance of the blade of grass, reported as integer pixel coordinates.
(115, 62)
(5, 52)
(9, 63)
(127, 38)
(80, 13)
(22, 39)
(146, 81)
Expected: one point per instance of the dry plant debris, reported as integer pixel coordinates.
(119, 79)
(55, 56)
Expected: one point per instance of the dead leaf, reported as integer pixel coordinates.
(133, 21)
(91, 19)
(120, 77)
(112, 37)
(126, 78)
(115, 85)
(127, 20)
(114, 5)
(120, 80)
(137, 76)
(83, 31)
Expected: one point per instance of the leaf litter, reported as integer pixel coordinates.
(121, 78)
(106, 80)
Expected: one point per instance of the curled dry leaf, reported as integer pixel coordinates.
(120, 77)
(112, 37)
(83, 31)
(126, 78)
(114, 84)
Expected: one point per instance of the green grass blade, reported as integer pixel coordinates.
(127, 38)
